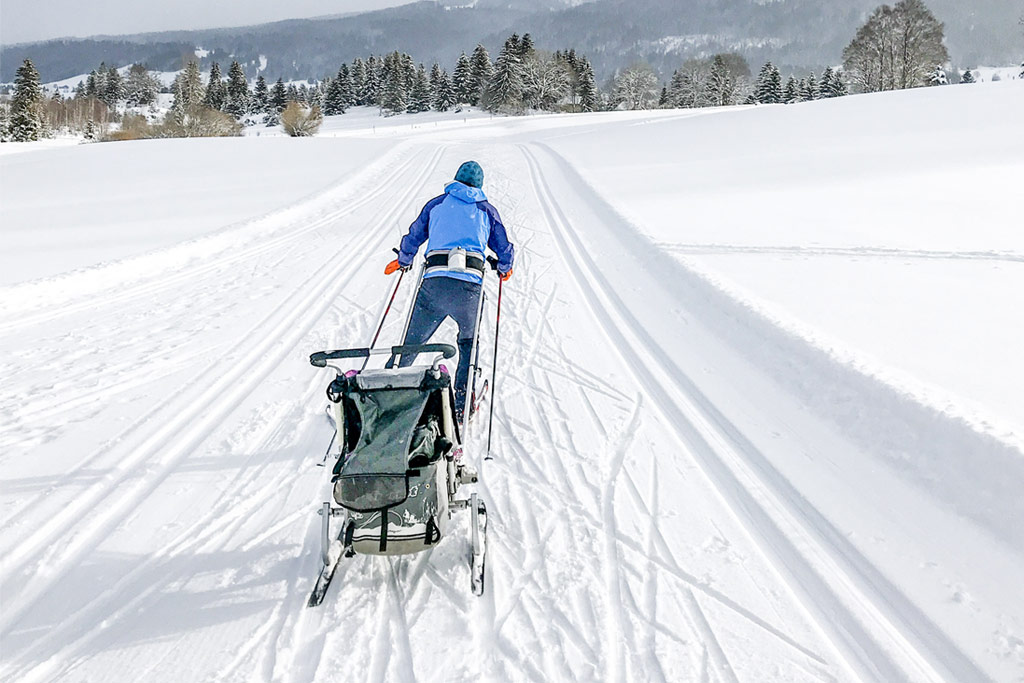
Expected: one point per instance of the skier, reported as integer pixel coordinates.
(457, 226)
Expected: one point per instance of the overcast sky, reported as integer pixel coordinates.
(29, 20)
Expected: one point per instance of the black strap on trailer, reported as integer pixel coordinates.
(384, 530)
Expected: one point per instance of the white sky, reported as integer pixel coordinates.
(30, 20)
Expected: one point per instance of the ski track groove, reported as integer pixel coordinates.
(343, 270)
(146, 420)
(761, 500)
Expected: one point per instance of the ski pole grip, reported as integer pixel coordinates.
(493, 262)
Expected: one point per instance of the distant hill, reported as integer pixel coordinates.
(794, 33)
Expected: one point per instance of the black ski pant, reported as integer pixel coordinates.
(440, 298)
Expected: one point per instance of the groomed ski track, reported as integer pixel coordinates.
(640, 528)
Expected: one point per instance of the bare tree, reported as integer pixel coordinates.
(637, 87)
(545, 81)
(899, 47)
(300, 122)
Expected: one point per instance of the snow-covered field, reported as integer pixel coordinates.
(757, 421)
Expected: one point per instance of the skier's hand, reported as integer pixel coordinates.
(393, 266)
(505, 276)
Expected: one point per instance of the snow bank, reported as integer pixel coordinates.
(75, 207)
(881, 228)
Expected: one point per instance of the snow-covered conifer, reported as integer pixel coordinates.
(260, 97)
(462, 80)
(141, 87)
(791, 93)
(506, 87)
(188, 90)
(721, 84)
(237, 92)
(278, 100)
(968, 77)
(587, 87)
(419, 92)
(26, 121)
(444, 93)
(216, 93)
(526, 48)
(358, 75)
(810, 89)
(113, 90)
(334, 101)
(482, 71)
(394, 96)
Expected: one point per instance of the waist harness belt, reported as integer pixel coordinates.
(456, 260)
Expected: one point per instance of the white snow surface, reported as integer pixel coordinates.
(755, 418)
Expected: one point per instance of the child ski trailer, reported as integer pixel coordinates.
(398, 445)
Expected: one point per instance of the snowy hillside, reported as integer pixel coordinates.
(757, 418)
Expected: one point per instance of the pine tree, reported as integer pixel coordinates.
(677, 86)
(839, 87)
(292, 94)
(348, 91)
(462, 80)
(792, 91)
(80, 89)
(444, 93)
(482, 72)
(825, 87)
(27, 122)
(394, 96)
(810, 91)
(276, 102)
(334, 102)
(721, 85)
(419, 93)
(188, 92)
(216, 93)
(140, 87)
(113, 90)
(374, 83)
(92, 84)
(506, 87)
(526, 49)
(5, 122)
(358, 73)
(260, 97)
(435, 76)
(968, 77)
(663, 102)
(769, 85)
(587, 87)
(237, 92)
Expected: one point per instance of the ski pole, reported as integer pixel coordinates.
(494, 371)
(384, 317)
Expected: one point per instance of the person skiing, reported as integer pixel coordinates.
(458, 226)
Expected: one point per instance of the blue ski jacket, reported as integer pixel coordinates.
(461, 217)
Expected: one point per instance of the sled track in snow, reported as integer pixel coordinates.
(876, 632)
(44, 557)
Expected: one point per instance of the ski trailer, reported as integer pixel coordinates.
(398, 451)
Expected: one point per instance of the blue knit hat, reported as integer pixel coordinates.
(470, 174)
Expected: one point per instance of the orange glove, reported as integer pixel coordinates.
(393, 266)
(505, 276)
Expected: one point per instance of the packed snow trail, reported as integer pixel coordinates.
(675, 493)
